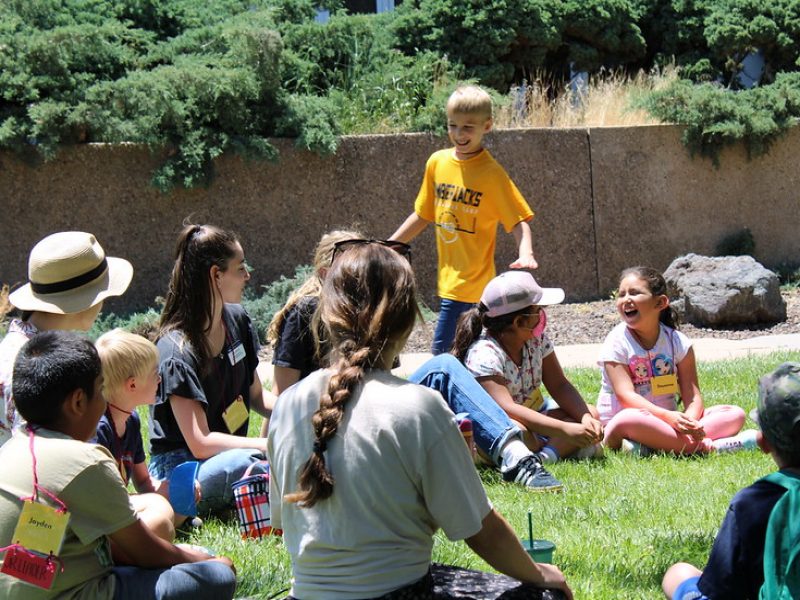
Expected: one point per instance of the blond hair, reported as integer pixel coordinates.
(471, 100)
(123, 355)
(313, 285)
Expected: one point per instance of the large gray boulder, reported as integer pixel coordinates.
(719, 291)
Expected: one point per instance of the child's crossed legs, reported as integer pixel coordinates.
(644, 427)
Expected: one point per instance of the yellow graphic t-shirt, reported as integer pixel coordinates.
(466, 199)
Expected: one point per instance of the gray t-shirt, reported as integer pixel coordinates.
(401, 470)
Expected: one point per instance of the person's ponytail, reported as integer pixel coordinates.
(468, 329)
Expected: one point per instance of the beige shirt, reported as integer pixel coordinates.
(85, 478)
(401, 469)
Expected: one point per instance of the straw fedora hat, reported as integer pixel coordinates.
(69, 272)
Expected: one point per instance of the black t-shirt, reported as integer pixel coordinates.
(294, 348)
(735, 568)
(229, 376)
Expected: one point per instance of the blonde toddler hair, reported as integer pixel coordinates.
(123, 355)
(471, 100)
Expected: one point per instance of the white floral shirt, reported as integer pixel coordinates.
(19, 332)
(486, 358)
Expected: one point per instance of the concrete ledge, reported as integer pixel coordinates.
(605, 199)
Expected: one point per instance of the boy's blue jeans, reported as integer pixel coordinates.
(449, 311)
(490, 424)
(215, 475)
(207, 580)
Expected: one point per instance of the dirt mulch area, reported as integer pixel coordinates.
(589, 322)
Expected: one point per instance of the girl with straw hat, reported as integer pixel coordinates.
(69, 277)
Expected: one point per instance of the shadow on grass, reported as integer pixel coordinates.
(634, 567)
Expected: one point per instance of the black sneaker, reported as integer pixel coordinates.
(530, 473)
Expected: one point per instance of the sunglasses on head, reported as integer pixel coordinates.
(401, 248)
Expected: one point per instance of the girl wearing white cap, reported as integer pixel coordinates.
(69, 276)
(503, 343)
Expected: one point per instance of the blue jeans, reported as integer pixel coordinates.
(207, 580)
(216, 474)
(490, 424)
(449, 311)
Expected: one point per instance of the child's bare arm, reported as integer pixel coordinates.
(142, 481)
(137, 546)
(411, 228)
(524, 238)
(498, 545)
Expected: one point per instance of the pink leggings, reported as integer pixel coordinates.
(640, 425)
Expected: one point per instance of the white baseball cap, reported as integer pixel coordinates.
(514, 290)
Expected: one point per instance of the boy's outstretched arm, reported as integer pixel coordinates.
(410, 228)
(522, 234)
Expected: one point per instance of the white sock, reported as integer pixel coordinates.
(513, 452)
(589, 452)
(547, 455)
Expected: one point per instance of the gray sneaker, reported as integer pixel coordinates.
(530, 473)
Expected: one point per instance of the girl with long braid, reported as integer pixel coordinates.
(367, 466)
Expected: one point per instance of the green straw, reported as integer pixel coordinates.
(530, 530)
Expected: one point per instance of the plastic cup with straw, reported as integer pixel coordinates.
(541, 551)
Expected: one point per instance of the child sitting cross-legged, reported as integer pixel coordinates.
(78, 500)
(130, 379)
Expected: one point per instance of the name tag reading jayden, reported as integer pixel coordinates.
(664, 384)
(235, 415)
(41, 528)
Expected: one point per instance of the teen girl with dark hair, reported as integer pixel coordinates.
(208, 351)
(367, 466)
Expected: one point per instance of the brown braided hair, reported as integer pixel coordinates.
(368, 304)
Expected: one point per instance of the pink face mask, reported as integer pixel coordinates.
(539, 329)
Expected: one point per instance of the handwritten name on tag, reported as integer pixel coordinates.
(41, 528)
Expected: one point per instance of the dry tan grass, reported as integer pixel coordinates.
(607, 102)
(5, 305)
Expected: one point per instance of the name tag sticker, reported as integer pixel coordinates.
(665, 384)
(236, 353)
(30, 568)
(235, 415)
(41, 528)
(535, 400)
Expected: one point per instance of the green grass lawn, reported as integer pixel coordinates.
(619, 524)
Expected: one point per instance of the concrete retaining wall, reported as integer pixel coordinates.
(605, 198)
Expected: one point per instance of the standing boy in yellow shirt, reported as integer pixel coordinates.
(466, 193)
